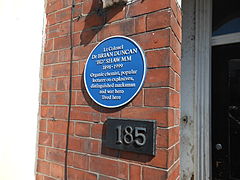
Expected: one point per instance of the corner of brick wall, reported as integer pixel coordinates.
(156, 27)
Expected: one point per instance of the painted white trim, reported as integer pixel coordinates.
(226, 39)
(187, 90)
(202, 115)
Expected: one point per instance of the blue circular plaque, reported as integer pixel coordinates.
(115, 71)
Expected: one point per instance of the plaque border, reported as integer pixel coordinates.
(143, 78)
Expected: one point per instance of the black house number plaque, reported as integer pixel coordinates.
(131, 135)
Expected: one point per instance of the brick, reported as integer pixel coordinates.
(90, 6)
(87, 36)
(63, 84)
(47, 71)
(121, 28)
(162, 138)
(44, 98)
(78, 161)
(51, 57)
(139, 99)
(41, 152)
(167, 137)
(109, 152)
(49, 85)
(176, 151)
(74, 174)
(51, 19)
(76, 68)
(174, 172)
(82, 129)
(162, 97)
(79, 24)
(78, 1)
(77, 83)
(109, 167)
(47, 111)
(141, 158)
(90, 21)
(59, 141)
(48, 178)
(42, 125)
(158, 97)
(61, 70)
(63, 15)
(179, 16)
(176, 28)
(85, 114)
(66, 3)
(177, 83)
(64, 55)
(115, 14)
(39, 177)
(175, 133)
(82, 52)
(177, 114)
(57, 171)
(158, 20)
(164, 117)
(108, 114)
(62, 42)
(61, 112)
(153, 174)
(163, 159)
(77, 11)
(175, 45)
(140, 24)
(175, 63)
(105, 178)
(45, 139)
(58, 30)
(55, 155)
(158, 58)
(135, 172)
(82, 98)
(48, 45)
(60, 98)
(163, 77)
(146, 6)
(76, 39)
(96, 131)
(43, 167)
(152, 40)
(174, 99)
(177, 11)
(60, 127)
(82, 66)
(83, 145)
(53, 5)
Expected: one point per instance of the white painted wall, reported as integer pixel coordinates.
(20, 54)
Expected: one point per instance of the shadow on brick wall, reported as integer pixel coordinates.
(96, 19)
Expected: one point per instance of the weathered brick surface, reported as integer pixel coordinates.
(156, 27)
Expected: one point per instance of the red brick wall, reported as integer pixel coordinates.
(156, 26)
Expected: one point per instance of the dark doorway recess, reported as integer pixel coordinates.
(226, 112)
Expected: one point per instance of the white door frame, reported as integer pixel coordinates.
(202, 115)
(196, 90)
